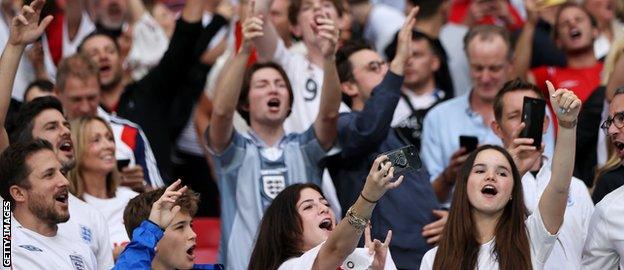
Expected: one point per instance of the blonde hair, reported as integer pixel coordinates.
(79, 137)
(615, 52)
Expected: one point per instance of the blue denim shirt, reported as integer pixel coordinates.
(363, 136)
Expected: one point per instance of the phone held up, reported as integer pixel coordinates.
(469, 143)
(404, 158)
(533, 111)
(122, 163)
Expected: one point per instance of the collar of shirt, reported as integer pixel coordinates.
(257, 141)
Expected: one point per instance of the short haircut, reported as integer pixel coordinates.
(427, 8)
(571, 4)
(243, 99)
(13, 168)
(43, 84)
(343, 65)
(416, 36)
(27, 114)
(512, 86)
(95, 34)
(138, 209)
(488, 32)
(76, 66)
(295, 6)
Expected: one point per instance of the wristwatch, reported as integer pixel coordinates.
(355, 221)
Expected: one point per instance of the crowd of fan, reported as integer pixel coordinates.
(277, 117)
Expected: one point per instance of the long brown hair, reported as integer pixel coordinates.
(79, 136)
(280, 233)
(459, 248)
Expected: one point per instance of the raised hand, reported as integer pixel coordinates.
(327, 30)
(565, 104)
(163, 210)
(252, 27)
(524, 154)
(25, 27)
(404, 44)
(377, 248)
(379, 179)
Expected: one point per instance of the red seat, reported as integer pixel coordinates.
(208, 232)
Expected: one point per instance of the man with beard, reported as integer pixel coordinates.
(33, 183)
(43, 119)
(110, 15)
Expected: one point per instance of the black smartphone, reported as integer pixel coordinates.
(122, 163)
(469, 143)
(404, 158)
(533, 111)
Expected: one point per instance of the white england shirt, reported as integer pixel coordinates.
(87, 225)
(30, 251)
(604, 246)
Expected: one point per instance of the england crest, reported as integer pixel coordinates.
(273, 184)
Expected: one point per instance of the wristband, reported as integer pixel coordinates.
(358, 223)
(565, 124)
(368, 200)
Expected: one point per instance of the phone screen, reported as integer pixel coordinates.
(468, 142)
(533, 111)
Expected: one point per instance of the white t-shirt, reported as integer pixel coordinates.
(542, 243)
(31, 251)
(568, 251)
(604, 246)
(403, 111)
(112, 209)
(358, 260)
(69, 46)
(87, 225)
(149, 43)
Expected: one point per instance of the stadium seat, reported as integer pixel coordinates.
(208, 232)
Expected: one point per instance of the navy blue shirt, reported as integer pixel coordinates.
(405, 210)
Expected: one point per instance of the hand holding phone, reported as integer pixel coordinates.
(405, 158)
(533, 112)
(469, 143)
(122, 163)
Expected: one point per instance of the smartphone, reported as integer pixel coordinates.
(533, 111)
(122, 163)
(404, 158)
(469, 143)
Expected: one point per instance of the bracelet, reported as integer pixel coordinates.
(568, 124)
(366, 199)
(358, 223)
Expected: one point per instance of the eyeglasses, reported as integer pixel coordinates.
(375, 66)
(617, 120)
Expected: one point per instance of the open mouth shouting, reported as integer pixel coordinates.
(619, 146)
(489, 191)
(274, 104)
(62, 197)
(66, 146)
(190, 253)
(575, 33)
(327, 224)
